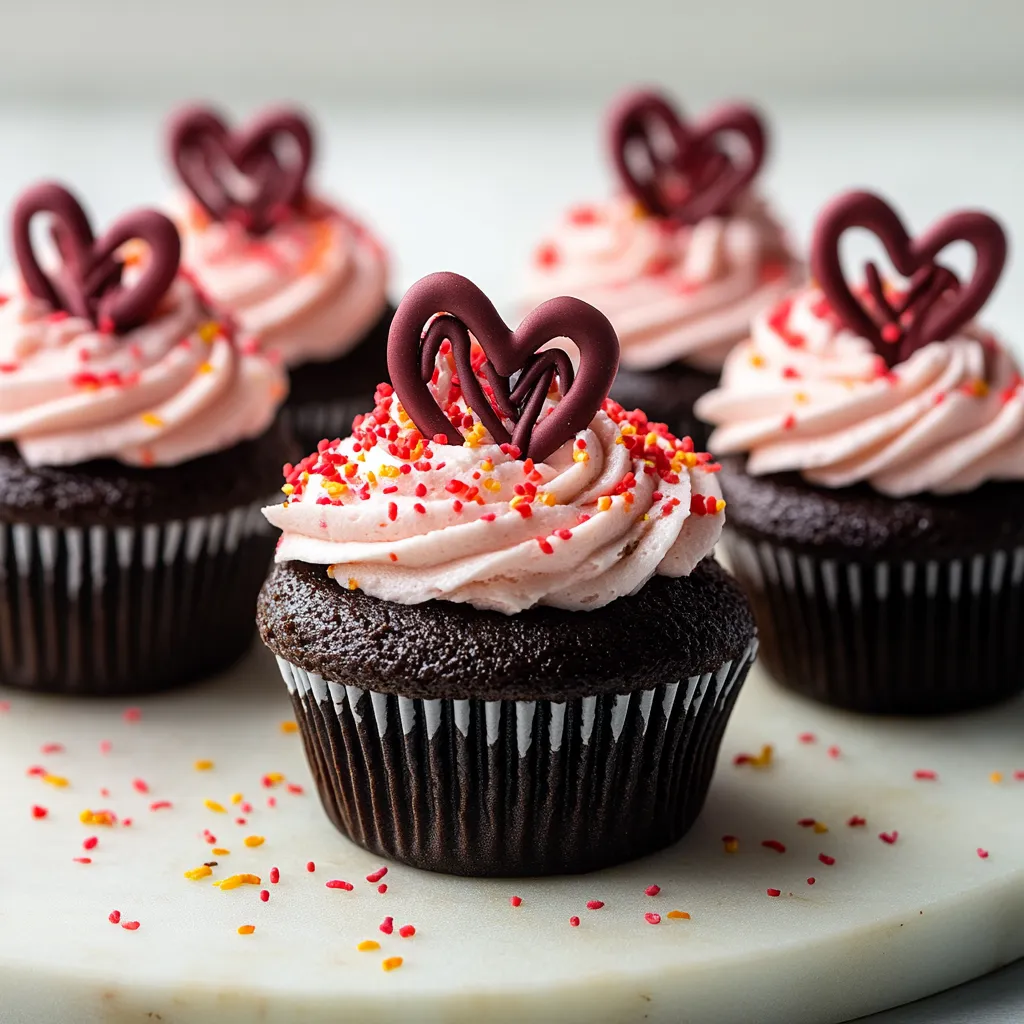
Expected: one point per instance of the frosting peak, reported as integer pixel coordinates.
(409, 519)
(804, 393)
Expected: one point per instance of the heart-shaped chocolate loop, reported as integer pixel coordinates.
(89, 282)
(935, 304)
(242, 174)
(678, 170)
(446, 306)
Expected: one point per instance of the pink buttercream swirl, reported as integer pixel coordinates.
(309, 289)
(410, 520)
(173, 389)
(805, 394)
(673, 293)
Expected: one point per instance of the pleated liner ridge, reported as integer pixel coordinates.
(99, 610)
(507, 788)
(888, 637)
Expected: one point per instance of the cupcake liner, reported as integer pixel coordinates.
(888, 637)
(312, 421)
(479, 787)
(107, 610)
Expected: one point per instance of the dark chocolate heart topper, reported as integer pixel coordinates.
(935, 303)
(243, 174)
(88, 282)
(679, 170)
(516, 376)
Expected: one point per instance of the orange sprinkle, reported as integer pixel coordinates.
(678, 915)
(151, 419)
(56, 780)
(236, 881)
(219, 851)
(604, 503)
(253, 841)
(368, 946)
(212, 805)
(820, 827)
(289, 727)
(353, 584)
(996, 777)
(392, 963)
(203, 871)
(203, 766)
(247, 929)
(236, 798)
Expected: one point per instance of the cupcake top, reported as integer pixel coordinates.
(885, 383)
(495, 474)
(683, 258)
(108, 351)
(302, 277)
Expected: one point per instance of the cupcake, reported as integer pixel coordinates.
(681, 259)
(509, 648)
(874, 436)
(304, 280)
(137, 445)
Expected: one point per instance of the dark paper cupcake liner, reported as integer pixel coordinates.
(506, 788)
(312, 421)
(105, 611)
(888, 637)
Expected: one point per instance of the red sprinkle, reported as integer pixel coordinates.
(833, 751)
(310, 867)
(651, 918)
(392, 511)
(275, 876)
(774, 892)
(927, 774)
(807, 822)
(337, 883)
(52, 748)
(115, 917)
(377, 875)
(106, 746)
(387, 926)
(773, 844)
(789, 422)
(160, 805)
(983, 854)
(82, 860)
(652, 890)
(39, 812)
(574, 922)
(516, 901)
(826, 859)
(857, 821)
(91, 843)
(130, 926)
(889, 837)
(382, 888)
(811, 880)
(139, 786)
(594, 904)
(807, 737)
(264, 895)
(132, 715)
(407, 931)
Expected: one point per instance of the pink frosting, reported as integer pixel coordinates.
(409, 521)
(169, 391)
(310, 289)
(803, 393)
(673, 293)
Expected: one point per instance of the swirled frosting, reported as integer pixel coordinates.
(673, 293)
(309, 289)
(410, 520)
(805, 394)
(174, 389)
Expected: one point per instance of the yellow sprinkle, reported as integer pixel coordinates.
(801, 396)
(151, 419)
(247, 929)
(731, 845)
(604, 503)
(236, 881)
(756, 360)
(208, 331)
(368, 946)
(580, 456)
(275, 778)
(288, 489)
(236, 798)
(205, 368)
(334, 488)
(253, 841)
(219, 851)
(289, 727)
(370, 478)
(764, 759)
(996, 777)
(304, 477)
(546, 498)
(651, 440)
(627, 428)
(55, 780)
(689, 459)
(646, 516)
(361, 457)
(353, 583)
(720, 505)
(820, 827)
(391, 963)
(203, 765)
(200, 872)
(678, 915)
(518, 500)
(491, 484)
(388, 471)
(487, 465)
(212, 805)
(88, 817)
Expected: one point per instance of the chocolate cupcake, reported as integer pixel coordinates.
(305, 281)
(875, 437)
(681, 260)
(508, 646)
(137, 444)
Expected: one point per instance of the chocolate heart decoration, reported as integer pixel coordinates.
(684, 175)
(213, 162)
(936, 304)
(89, 282)
(448, 306)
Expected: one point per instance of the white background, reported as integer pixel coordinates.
(461, 128)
